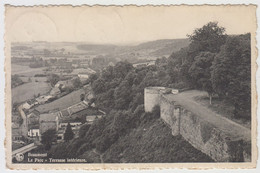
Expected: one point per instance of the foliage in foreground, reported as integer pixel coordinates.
(123, 136)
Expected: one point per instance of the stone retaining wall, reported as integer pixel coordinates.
(201, 134)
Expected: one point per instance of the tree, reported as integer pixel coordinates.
(92, 78)
(121, 69)
(208, 38)
(178, 65)
(123, 95)
(200, 72)
(98, 86)
(77, 83)
(138, 99)
(16, 80)
(108, 73)
(48, 137)
(19, 120)
(231, 74)
(82, 97)
(149, 79)
(68, 135)
(53, 78)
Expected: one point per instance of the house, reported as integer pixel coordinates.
(91, 118)
(83, 76)
(27, 105)
(93, 105)
(64, 113)
(33, 117)
(34, 131)
(16, 118)
(64, 84)
(76, 111)
(76, 115)
(48, 121)
(84, 64)
(16, 134)
(55, 91)
(94, 114)
(75, 126)
(83, 73)
(77, 108)
(43, 99)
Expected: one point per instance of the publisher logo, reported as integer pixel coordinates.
(19, 157)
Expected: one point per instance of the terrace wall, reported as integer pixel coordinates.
(200, 133)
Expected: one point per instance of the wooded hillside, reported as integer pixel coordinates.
(213, 62)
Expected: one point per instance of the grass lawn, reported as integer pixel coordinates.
(25, 70)
(34, 79)
(222, 107)
(63, 102)
(27, 91)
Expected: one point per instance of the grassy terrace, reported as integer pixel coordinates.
(187, 100)
(63, 102)
(223, 108)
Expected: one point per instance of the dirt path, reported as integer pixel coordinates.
(23, 127)
(186, 100)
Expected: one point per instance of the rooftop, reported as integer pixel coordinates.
(70, 120)
(77, 107)
(83, 71)
(34, 111)
(48, 117)
(90, 118)
(64, 113)
(33, 126)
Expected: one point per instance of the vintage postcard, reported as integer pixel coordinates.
(130, 87)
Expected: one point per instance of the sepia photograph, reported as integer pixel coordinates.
(119, 85)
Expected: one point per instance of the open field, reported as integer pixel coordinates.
(63, 102)
(33, 79)
(25, 70)
(28, 90)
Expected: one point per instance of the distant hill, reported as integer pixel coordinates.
(164, 47)
(147, 50)
(97, 49)
(152, 49)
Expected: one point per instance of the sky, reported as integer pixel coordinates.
(121, 25)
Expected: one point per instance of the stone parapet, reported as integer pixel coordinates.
(203, 133)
